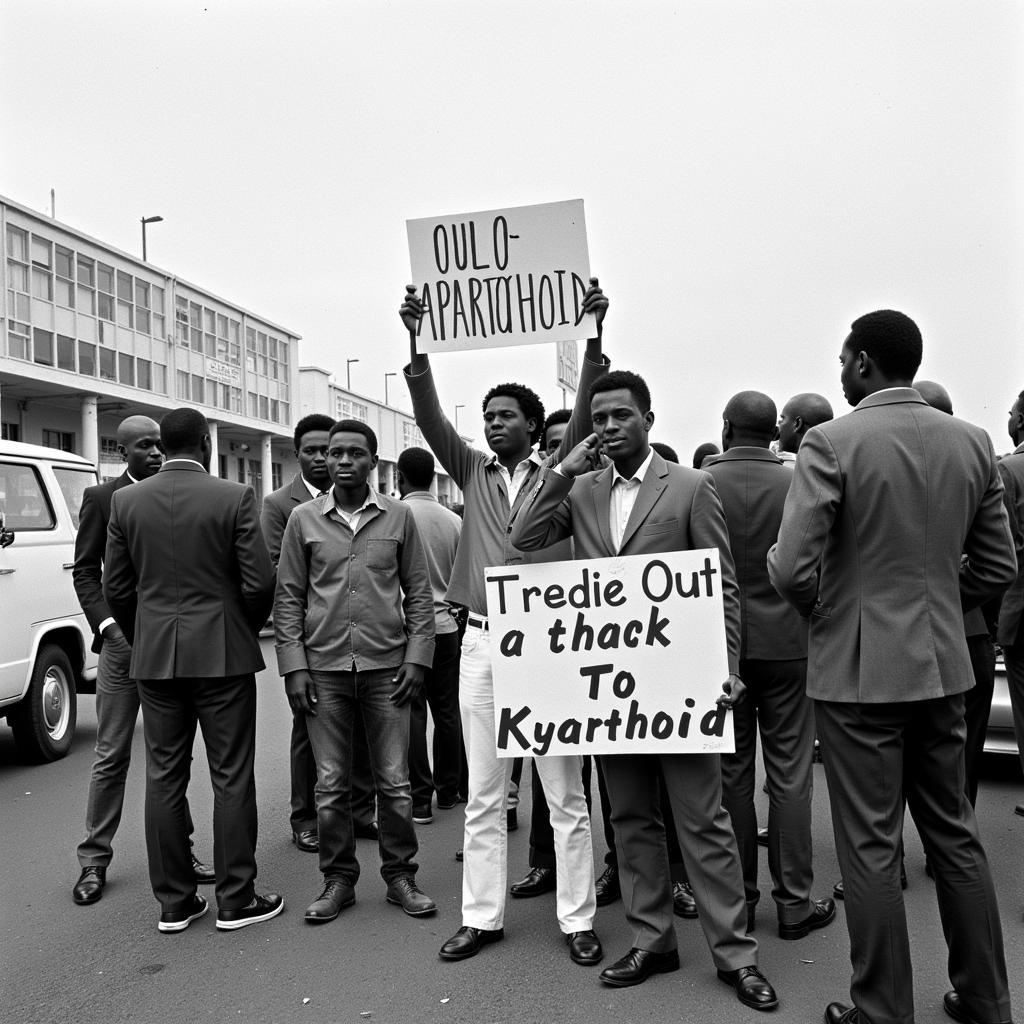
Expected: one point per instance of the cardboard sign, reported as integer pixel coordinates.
(501, 277)
(609, 655)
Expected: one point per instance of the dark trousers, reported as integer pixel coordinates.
(777, 705)
(1013, 658)
(117, 709)
(225, 711)
(441, 692)
(978, 704)
(877, 755)
(694, 786)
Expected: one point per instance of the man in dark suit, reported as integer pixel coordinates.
(1011, 615)
(883, 504)
(117, 697)
(190, 583)
(753, 484)
(312, 480)
(638, 505)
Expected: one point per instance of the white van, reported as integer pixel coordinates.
(45, 640)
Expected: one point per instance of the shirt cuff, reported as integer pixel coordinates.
(108, 621)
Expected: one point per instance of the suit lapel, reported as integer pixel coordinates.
(299, 493)
(602, 494)
(651, 490)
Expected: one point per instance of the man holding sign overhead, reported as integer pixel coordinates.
(641, 505)
(494, 486)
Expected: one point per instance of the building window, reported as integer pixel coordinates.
(86, 285)
(349, 410)
(264, 408)
(236, 399)
(275, 475)
(87, 359)
(144, 378)
(158, 311)
(108, 447)
(62, 440)
(254, 409)
(17, 243)
(65, 265)
(411, 436)
(10, 432)
(198, 394)
(105, 298)
(160, 378)
(182, 378)
(126, 368)
(18, 340)
(43, 347)
(107, 364)
(195, 326)
(141, 306)
(181, 320)
(65, 352)
(275, 410)
(256, 477)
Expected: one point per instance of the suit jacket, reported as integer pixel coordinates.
(277, 507)
(676, 509)
(90, 545)
(188, 577)
(753, 485)
(882, 504)
(1011, 615)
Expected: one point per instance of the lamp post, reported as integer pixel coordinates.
(386, 375)
(457, 408)
(348, 372)
(145, 221)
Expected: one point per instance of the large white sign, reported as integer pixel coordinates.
(609, 655)
(501, 277)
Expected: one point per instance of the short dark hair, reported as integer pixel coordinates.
(183, 430)
(417, 466)
(558, 416)
(624, 379)
(355, 427)
(702, 451)
(529, 402)
(891, 339)
(314, 421)
(666, 451)
(752, 413)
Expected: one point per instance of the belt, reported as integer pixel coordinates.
(475, 620)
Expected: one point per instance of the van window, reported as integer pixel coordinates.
(73, 483)
(23, 499)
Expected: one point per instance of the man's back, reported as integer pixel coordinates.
(891, 495)
(191, 545)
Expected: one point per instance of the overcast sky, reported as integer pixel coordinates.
(755, 175)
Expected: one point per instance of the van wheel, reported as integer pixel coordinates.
(44, 722)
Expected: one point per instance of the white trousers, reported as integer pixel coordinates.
(485, 843)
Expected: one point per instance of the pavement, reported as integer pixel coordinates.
(107, 963)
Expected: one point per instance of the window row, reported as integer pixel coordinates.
(262, 408)
(266, 354)
(190, 387)
(205, 330)
(346, 409)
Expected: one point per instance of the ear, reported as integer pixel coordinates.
(648, 420)
(798, 426)
(864, 363)
(374, 459)
(531, 429)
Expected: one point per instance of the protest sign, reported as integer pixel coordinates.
(609, 655)
(515, 276)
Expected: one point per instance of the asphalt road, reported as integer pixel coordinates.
(108, 963)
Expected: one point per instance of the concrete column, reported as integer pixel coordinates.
(214, 449)
(91, 430)
(389, 476)
(266, 467)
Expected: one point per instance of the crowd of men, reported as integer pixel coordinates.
(869, 564)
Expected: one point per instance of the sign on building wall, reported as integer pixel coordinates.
(501, 277)
(223, 373)
(609, 655)
(567, 367)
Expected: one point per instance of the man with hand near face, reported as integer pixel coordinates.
(351, 564)
(117, 695)
(312, 480)
(639, 505)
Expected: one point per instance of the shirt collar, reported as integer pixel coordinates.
(533, 457)
(330, 504)
(314, 491)
(419, 496)
(130, 477)
(638, 475)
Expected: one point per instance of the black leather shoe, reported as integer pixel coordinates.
(840, 1013)
(308, 840)
(369, 831)
(331, 902)
(752, 988)
(822, 914)
(405, 893)
(607, 888)
(584, 948)
(954, 1007)
(179, 920)
(638, 965)
(683, 903)
(467, 942)
(89, 887)
(204, 874)
(537, 882)
(1019, 809)
(262, 908)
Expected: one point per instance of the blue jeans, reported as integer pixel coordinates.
(341, 696)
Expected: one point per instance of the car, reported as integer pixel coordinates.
(999, 737)
(46, 656)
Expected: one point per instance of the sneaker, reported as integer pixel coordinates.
(262, 908)
(422, 815)
(179, 920)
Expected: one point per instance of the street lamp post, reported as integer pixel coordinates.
(145, 221)
(386, 375)
(348, 372)
(457, 408)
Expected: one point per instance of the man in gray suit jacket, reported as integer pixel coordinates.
(753, 485)
(189, 581)
(639, 505)
(883, 504)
